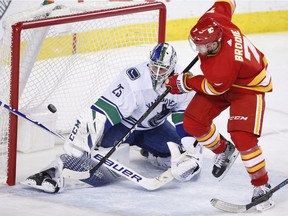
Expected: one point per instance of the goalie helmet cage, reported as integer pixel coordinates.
(66, 55)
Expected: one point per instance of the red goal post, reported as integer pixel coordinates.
(67, 57)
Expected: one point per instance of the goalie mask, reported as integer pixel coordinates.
(163, 59)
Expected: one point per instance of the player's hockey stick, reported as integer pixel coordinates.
(20, 114)
(147, 183)
(133, 128)
(238, 208)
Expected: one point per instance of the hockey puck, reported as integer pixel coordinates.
(52, 108)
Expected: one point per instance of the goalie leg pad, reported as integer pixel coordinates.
(101, 177)
(85, 135)
(157, 161)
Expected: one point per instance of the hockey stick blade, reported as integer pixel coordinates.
(238, 208)
(120, 169)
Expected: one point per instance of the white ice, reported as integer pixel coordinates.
(125, 198)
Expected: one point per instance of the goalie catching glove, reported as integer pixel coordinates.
(185, 165)
(86, 133)
(178, 83)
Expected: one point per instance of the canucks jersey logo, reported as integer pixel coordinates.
(157, 119)
(133, 73)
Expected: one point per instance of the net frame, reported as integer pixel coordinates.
(15, 60)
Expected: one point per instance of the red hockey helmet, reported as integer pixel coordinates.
(205, 31)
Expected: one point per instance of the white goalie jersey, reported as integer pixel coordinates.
(131, 95)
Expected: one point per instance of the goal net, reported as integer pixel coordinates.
(67, 55)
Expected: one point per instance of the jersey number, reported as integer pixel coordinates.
(250, 48)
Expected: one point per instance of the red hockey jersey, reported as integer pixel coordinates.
(238, 66)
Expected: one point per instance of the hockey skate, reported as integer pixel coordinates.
(49, 180)
(43, 181)
(258, 192)
(224, 161)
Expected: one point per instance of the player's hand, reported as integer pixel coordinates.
(178, 84)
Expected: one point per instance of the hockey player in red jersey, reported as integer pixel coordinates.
(235, 75)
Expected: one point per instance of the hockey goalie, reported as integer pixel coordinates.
(165, 145)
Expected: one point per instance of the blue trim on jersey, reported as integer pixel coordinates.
(130, 120)
(112, 104)
(154, 140)
(180, 130)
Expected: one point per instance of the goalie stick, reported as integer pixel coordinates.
(238, 208)
(147, 183)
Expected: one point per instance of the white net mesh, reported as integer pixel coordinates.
(69, 65)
